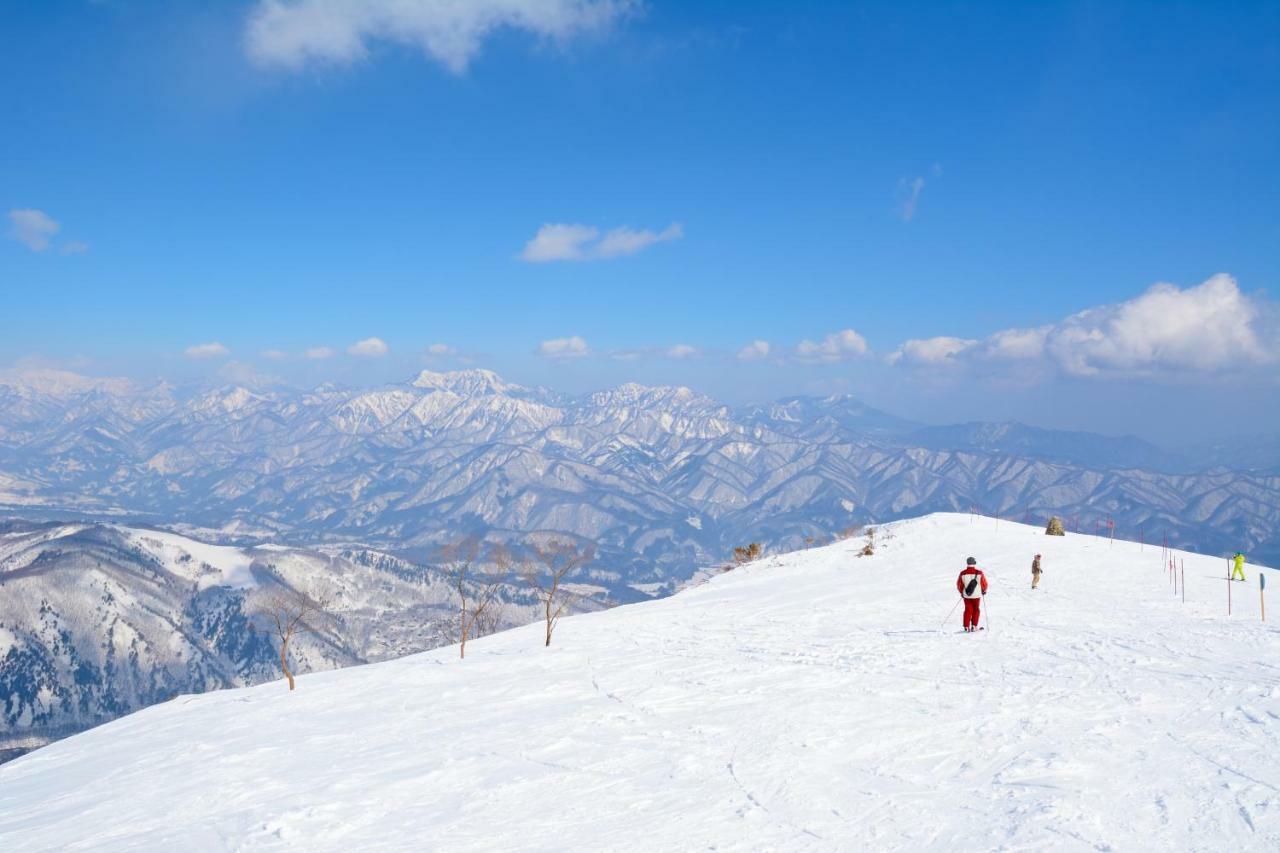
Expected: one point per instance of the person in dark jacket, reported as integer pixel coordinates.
(972, 585)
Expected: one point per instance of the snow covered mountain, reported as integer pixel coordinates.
(662, 480)
(810, 701)
(99, 620)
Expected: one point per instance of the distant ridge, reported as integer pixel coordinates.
(662, 479)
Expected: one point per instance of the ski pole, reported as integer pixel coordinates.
(986, 612)
(953, 610)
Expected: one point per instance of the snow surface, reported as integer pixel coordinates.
(813, 701)
(230, 566)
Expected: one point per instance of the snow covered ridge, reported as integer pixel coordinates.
(813, 701)
(214, 565)
(410, 464)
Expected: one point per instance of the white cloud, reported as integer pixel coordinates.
(754, 351)
(292, 33)
(1211, 327)
(1016, 343)
(838, 346)
(677, 351)
(1006, 345)
(317, 353)
(213, 349)
(683, 351)
(441, 351)
(940, 350)
(556, 241)
(369, 347)
(34, 229)
(246, 374)
(559, 242)
(74, 247)
(274, 354)
(628, 241)
(562, 348)
(909, 197)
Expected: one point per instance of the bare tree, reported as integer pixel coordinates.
(288, 614)
(477, 588)
(492, 620)
(747, 553)
(554, 563)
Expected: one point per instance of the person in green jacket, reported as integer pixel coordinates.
(1238, 567)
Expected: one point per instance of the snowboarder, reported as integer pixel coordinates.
(972, 585)
(1035, 572)
(1238, 567)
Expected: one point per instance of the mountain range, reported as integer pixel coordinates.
(148, 519)
(661, 480)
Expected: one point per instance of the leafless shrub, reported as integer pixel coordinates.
(869, 546)
(742, 555)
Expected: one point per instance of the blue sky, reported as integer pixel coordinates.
(566, 190)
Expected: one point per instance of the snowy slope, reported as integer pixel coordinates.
(805, 702)
(218, 565)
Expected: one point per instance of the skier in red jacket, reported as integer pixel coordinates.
(972, 585)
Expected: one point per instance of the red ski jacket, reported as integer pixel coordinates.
(962, 582)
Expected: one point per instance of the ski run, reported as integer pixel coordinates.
(810, 701)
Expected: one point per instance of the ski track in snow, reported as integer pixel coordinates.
(807, 702)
